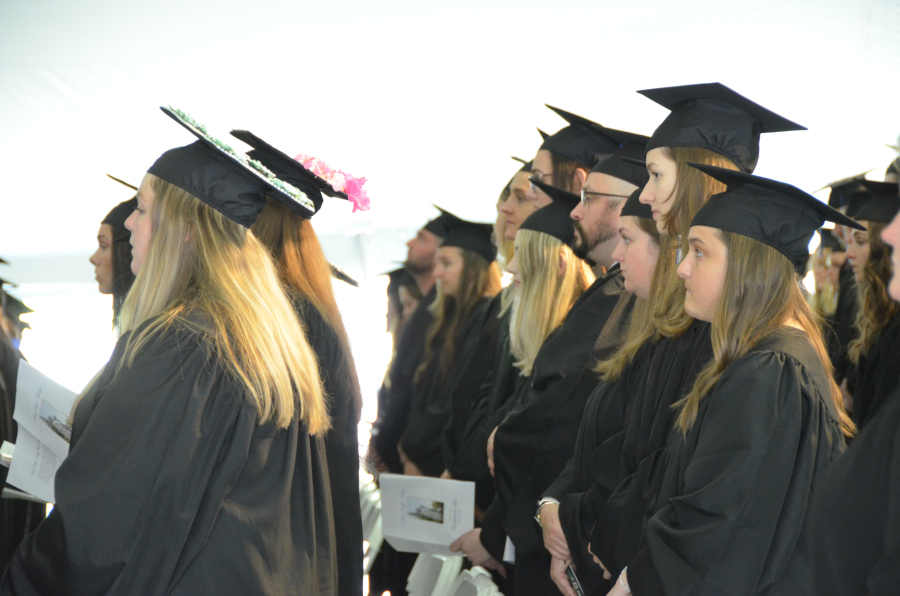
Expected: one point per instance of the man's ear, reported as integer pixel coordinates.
(579, 179)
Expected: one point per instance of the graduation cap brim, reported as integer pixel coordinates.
(557, 194)
(635, 208)
(3, 261)
(712, 116)
(288, 168)
(15, 308)
(277, 188)
(582, 140)
(468, 235)
(881, 204)
(123, 183)
(768, 211)
(340, 274)
(553, 220)
(845, 181)
(671, 97)
(544, 135)
(6, 282)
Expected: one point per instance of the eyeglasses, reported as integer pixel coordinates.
(539, 177)
(587, 197)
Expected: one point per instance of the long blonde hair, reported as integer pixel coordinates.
(761, 294)
(545, 297)
(876, 307)
(639, 324)
(200, 261)
(477, 280)
(305, 271)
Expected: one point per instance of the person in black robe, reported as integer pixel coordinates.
(464, 328)
(534, 439)
(875, 353)
(855, 549)
(391, 423)
(307, 276)
(190, 472)
(17, 518)
(764, 419)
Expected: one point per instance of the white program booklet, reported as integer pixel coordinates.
(425, 515)
(42, 412)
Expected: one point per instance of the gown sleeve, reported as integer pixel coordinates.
(733, 502)
(124, 510)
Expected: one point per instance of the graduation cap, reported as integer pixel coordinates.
(6, 282)
(558, 195)
(400, 277)
(881, 202)
(827, 239)
(843, 190)
(635, 208)
(468, 235)
(122, 182)
(289, 170)
(338, 273)
(771, 212)
(544, 135)
(712, 116)
(526, 166)
(894, 168)
(222, 177)
(628, 162)
(552, 219)
(116, 218)
(14, 308)
(582, 140)
(3, 261)
(437, 226)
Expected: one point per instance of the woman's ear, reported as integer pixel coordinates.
(563, 263)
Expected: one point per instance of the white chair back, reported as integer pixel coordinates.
(433, 575)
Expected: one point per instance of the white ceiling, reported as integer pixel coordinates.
(427, 100)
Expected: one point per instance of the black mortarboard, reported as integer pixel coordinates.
(628, 162)
(881, 204)
(122, 182)
(712, 116)
(558, 195)
(635, 208)
(842, 191)
(827, 239)
(894, 168)
(544, 135)
(14, 308)
(340, 274)
(223, 178)
(3, 261)
(116, 218)
(552, 219)
(582, 140)
(436, 226)
(289, 170)
(400, 278)
(469, 235)
(772, 212)
(6, 282)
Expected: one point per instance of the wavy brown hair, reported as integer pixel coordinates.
(305, 272)
(876, 307)
(477, 280)
(761, 295)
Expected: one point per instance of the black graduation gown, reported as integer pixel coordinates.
(668, 372)
(840, 326)
(876, 374)
(172, 486)
(737, 486)
(854, 522)
(470, 459)
(475, 372)
(431, 406)
(341, 445)
(17, 518)
(593, 472)
(391, 424)
(536, 439)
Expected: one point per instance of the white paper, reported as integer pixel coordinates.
(34, 466)
(42, 411)
(425, 515)
(42, 407)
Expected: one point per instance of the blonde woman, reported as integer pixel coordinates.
(197, 464)
(464, 328)
(762, 421)
(875, 352)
